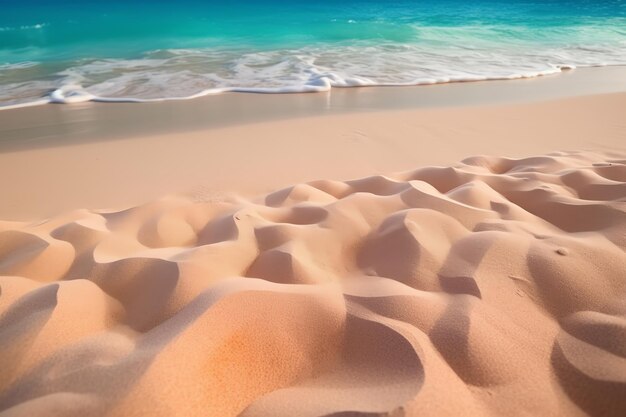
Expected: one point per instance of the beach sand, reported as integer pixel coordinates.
(475, 266)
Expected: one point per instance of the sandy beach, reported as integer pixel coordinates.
(57, 158)
(455, 251)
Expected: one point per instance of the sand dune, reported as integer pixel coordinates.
(493, 287)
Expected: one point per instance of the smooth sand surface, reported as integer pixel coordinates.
(483, 286)
(256, 158)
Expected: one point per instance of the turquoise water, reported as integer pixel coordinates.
(145, 50)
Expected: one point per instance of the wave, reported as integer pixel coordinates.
(77, 94)
(70, 94)
(185, 74)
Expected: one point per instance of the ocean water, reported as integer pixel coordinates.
(136, 50)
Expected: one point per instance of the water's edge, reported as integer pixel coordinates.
(71, 94)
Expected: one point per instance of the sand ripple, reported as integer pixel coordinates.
(494, 287)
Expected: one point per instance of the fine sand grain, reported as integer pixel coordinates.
(495, 286)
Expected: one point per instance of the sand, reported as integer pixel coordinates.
(44, 179)
(483, 286)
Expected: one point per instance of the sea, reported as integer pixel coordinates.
(147, 50)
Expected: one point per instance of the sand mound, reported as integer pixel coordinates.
(495, 287)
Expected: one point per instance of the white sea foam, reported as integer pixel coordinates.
(23, 27)
(17, 65)
(187, 73)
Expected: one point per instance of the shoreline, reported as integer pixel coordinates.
(69, 124)
(253, 159)
(78, 95)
